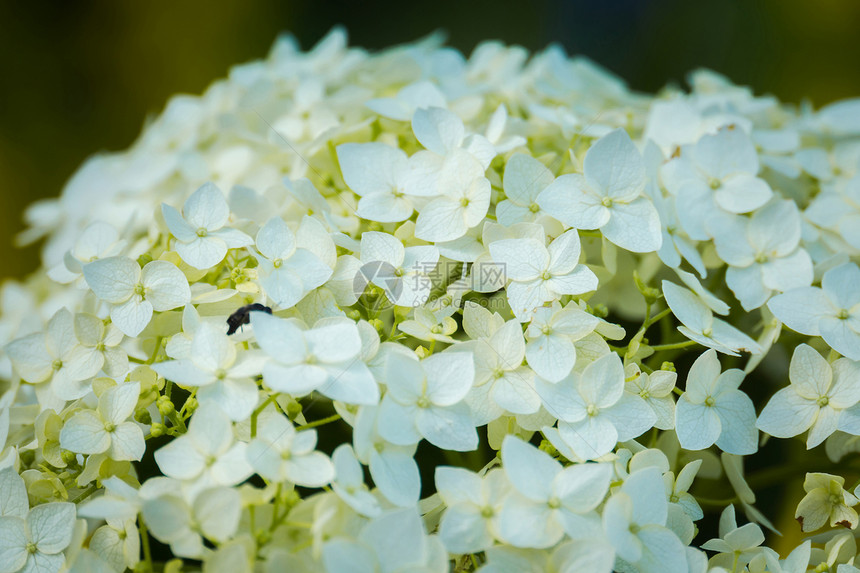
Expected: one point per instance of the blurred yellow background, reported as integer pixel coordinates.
(81, 77)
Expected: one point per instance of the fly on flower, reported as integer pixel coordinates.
(243, 316)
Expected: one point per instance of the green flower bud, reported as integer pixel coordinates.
(669, 366)
(157, 429)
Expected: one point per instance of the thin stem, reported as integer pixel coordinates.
(321, 422)
(144, 540)
(86, 493)
(674, 346)
(257, 411)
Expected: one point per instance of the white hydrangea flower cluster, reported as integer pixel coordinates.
(530, 300)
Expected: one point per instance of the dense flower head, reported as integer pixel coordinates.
(257, 333)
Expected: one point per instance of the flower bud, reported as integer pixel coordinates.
(157, 429)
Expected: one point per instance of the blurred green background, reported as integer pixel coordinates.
(80, 77)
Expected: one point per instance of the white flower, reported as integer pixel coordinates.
(502, 383)
(118, 543)
(429, 325)
(286, 271)
(713, 410)
(57, 355)
(462, 202)
(539, 274)
(473, 505)
(818, 394)
(656, 389)
(207, 452)
(699, 323)
(378, 174)
(392, 467)
(402, 107)
(213, 513)
(31, 541)
(425, 400)
(736, 545)
(762, 253)
(714, 177)
(395, 541)
(100, 345)
(525, 178)
(280, 453)
(223, 375)
(201, 232)
(106, 428)
(326, 358)
(634, 520)
(550, 500)
(99, 240)
(831, 311)
(593, 409)
(400, 272)
(349, 483)
(134, 293)
(551, 335)
(608, 196)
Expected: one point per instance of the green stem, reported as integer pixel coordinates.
(144, 541)
(257, 411)
(321, 422)
(86, 493)
(674, 346)
(155, 350)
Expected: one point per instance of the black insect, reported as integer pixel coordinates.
(243, 316)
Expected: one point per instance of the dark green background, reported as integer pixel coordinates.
(80, 77)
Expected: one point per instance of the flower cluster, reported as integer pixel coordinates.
(408, 311)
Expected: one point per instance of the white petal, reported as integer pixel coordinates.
(178, 226)
(396, 423)
(590, 438)
(449, 377)
(523, 259)
(279, 338)
(569, 200)
(206, 208)
(437, 129)
(441, 220)
(801, 309)
(166, 286)
(449, 428)
(530, 470)
(787, 414)
(183, 372)
(396, 475)
(524, 523)
(370, 168)
(614, 165)
(217, 512)
(13, 494)
(696, 425)
(742, 193)
(841, 337)
(737, 419)
(13, 549)
(384, 208)
(634, 226)
(202, 252)
(381, 247)
(312, 470)
(127, 443)
(275, 240)
(85, 433)
(51, 526)
(525, 177)
(112, 279)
